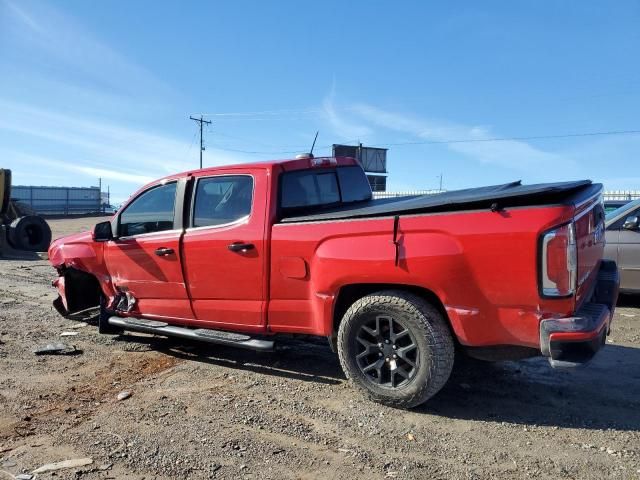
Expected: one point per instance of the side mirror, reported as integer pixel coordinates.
(631, 223)
(102, 232)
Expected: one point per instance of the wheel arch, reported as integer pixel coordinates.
(348, 294)
(82, 290)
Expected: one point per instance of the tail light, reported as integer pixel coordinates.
(559, 262)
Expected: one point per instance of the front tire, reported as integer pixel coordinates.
(396, 347)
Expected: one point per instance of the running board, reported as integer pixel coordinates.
(202, 334)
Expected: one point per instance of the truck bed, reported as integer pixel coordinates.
(512, 194)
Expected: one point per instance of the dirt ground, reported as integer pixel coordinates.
(198, 411)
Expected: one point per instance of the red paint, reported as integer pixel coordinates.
(574, 336)
(293, 267)
(481, 265)
(156, 282)
(228, 289)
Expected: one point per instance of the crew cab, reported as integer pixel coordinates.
(238, 255)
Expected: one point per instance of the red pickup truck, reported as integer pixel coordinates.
(237, 255)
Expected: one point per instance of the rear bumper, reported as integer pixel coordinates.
(573, 341)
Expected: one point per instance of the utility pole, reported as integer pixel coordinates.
(201, 121)
(440, 176)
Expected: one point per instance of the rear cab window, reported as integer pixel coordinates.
(317, 189)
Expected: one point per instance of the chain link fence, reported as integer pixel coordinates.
(608, 195)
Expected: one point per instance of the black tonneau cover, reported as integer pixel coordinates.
(496, 196)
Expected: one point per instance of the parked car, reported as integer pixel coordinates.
(611, 205)
(623, 244)
(238, 255)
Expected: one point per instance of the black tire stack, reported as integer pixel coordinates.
(31, 233)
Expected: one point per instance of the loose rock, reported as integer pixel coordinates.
(123, 395)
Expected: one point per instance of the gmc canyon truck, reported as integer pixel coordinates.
(238, 255)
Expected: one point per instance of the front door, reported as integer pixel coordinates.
(629, 257)
(144, 261)
(224, 250)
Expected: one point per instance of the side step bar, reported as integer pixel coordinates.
(202, 334)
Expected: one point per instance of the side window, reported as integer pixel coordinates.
(221, 200)
(618, 224)
(151, 212)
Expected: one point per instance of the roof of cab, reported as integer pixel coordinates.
(286, 165)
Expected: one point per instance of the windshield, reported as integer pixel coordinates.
(619, 211)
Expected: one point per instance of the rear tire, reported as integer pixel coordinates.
(103, 319)
(30, 233)
(396, 347)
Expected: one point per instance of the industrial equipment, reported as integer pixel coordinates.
(20, 228)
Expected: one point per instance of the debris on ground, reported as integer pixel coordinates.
(73, 463)
(123, 395)
(57, 349)
(68, 334)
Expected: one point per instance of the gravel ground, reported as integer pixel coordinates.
(200, 412)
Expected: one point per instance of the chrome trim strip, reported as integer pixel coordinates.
(244, 219)
(145, 235)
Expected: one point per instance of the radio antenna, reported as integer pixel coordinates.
(314, 143)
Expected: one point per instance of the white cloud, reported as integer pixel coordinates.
(22, 17)
(514, 154)
(115, 175)
(64, 168)
(341, 127)
(85, 148)
(42, 36)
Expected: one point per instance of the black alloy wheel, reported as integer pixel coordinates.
(388, 354)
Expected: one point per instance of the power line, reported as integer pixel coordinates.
(193, 139)
(453, 141)
(201, 121)
(507, 139)
(261, 113)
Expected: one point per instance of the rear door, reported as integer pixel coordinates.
(225, 250)
(144, 260)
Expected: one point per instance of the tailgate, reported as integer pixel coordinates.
(589, 223)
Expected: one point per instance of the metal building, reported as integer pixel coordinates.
(373, 160)
(59, 200)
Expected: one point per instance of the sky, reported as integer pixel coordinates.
(93, 90)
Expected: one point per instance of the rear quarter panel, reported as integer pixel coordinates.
(482, 265)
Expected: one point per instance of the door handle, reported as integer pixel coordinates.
(241, 247)
(164, 251)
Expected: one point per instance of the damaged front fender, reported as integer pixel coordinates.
(76, 251)
(82, 273)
